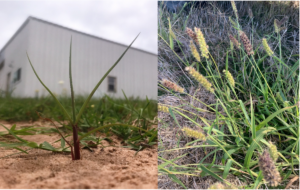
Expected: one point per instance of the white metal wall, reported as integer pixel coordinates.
(14, 56)
(48, 50)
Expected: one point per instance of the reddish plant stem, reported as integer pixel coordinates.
(76, 143)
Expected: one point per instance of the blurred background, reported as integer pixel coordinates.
(100, 30)
(114, 20)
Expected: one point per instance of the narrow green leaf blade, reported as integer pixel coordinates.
(101, 80)
(56, 100)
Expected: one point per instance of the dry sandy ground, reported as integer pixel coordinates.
(110, 167)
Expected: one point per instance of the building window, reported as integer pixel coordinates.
(17, 76)
(1, 65)
(112, 84)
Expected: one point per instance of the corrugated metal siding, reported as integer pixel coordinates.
(91, 57)
(14, 56)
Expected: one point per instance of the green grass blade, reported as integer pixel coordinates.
(176, 180)
(252, 119)
(245, 112)
(13, 134)
(263, 123)
(96, 87)
(47, 146)
(214, 175)
(227, 168)
(254, 144)
(56, 100)
(71, 83)
(258, 180)
(110, 125)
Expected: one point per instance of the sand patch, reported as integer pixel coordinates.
(109, 167)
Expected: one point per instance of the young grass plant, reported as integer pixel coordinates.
(251, 109)
(75, 118)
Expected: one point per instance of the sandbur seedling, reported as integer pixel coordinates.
(74, 120)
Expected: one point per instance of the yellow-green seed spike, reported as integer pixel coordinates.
(229, 78)
(194, 51)
(273, 151)
(267, 47)
(193, 133)
(202, 43)
(200, 78)
(162, 108)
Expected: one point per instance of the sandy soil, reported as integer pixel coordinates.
(110, 167)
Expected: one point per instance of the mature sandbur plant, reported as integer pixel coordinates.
(254, 130)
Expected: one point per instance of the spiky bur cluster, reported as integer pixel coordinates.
(172, 86)
(273, 151)
(202, 43)
(267, 47)
(267, 166)
(193, 133)
(246, 42)
(234, 41)
(200, 78)
(194, 51)
(229, 78)
(162, 108)
(192, 35)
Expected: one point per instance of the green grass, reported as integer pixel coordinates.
(239, 121)
(105, 110)
(99, 112)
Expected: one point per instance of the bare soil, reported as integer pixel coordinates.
(105, 168)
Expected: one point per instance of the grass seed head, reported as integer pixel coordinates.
(162, 108)
(267, 47)
(234, 8)
(246, 42)
(193, 133)
(194, 51)
(202, 43)
(231, 46)
(268, 168)
(276, 27)
(273, 151)
(172, 86)
(234, 41)
(200, 78)
(229, 78)
(192, 35)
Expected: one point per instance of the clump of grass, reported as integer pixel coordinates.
(257, 105)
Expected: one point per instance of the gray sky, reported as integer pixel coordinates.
(116, 20)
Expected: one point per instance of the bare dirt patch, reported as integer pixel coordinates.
(109, 167)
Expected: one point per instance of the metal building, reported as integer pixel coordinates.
(48, 47)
